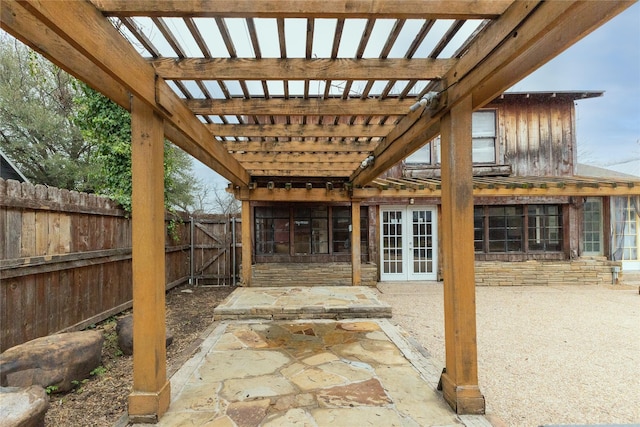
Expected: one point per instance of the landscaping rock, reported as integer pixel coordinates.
(54, 361)
(125, 335)
(23, 407)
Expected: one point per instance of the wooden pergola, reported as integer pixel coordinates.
(303, 101)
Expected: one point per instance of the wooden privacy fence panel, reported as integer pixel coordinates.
(65, 260)
(216, 241)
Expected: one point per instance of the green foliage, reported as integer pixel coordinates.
(172, 229)
(77, 385)
(51, 389)
(108, 127)
(36, 119)
(100, 370)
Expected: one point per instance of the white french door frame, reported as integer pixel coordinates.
(408, 243)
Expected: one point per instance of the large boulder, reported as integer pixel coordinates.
(23, 407)
(54, 361)
(124, 329)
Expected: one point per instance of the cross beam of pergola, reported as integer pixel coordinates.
(227, 82)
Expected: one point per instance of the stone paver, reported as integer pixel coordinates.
(309, 356)
(306, 372)
(302, 302)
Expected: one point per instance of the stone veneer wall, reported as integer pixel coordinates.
(324, 274)
(581, 271)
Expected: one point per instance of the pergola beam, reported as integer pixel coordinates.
(570, 190)
(406, 9)
(315, 195)
(300, 107)
(300, 130)
(300, 146)
(299, 174)
(301, 69)
(284, 160)
(83, 27)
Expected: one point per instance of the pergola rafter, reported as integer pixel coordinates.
(314, 96)
(302, 69)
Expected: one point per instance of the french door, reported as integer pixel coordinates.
(408, 243)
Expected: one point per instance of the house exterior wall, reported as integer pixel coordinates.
(536, 138)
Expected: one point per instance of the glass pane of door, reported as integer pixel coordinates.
(422, 245)
(592, 226)
(392, 244)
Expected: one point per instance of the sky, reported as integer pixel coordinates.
(608, 127)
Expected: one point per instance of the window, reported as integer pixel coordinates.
(341, 233)
(317, 230)
(272, 230)
(422, 155)
(505, 228)
(592, 226)
(483, 131)
(311, 231)
(518, 229)
(545, 228)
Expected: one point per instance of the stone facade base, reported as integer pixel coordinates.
(581, 271)
(324, 274)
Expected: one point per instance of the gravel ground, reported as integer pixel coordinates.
(546, 355)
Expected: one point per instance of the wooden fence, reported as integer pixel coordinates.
(65, 259)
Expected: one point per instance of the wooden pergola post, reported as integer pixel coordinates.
(151, 394)
(356, 276)
(460, 381)
(246, 243)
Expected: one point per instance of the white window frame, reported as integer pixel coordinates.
(481, 132)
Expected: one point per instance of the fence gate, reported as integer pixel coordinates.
(213, 251)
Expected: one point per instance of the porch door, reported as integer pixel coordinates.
(408, 243)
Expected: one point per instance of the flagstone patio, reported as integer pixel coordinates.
(316, 371)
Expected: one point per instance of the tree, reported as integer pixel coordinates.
(214, 200)
(36, 119)
(61, 133)
(108, 127)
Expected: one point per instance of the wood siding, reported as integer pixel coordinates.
(536, 138)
